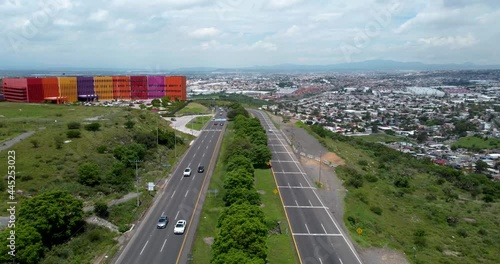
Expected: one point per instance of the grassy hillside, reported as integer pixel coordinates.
(477, 143)
(42, 166)
(416, 207)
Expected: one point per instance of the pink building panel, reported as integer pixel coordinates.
(156, 86)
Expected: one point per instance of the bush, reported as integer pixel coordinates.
(419, 238)
(371, 178)
(363, 163)
(123, 228)
(73, 134)
(376, 210)
(129, 124)
(93, 127)
(101, 149)
(59, 141)
(462, 233)
(35, 143)
(74, 125)
(101, 209)
(356, 182)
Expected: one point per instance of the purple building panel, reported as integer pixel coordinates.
(156, 86)
(85, 88)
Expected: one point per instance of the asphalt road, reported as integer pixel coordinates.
(178, 201)
(317, 236)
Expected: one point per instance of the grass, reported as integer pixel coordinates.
(198, 122)
(194, 108)
(392, 217)
(281, 249)
(382, 137)
(477, 143)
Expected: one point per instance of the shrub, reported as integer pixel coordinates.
(93, 127)
(419, 238)
(101, 209)
(73, 134)
(129, 124)
(376, 210)
(363, 163)
(101, 149)
(74, 125)
(371, 178)
(355, 182)
(462, 233)
(35, 143)
(59, 141)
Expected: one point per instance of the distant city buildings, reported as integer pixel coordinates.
(93, 88)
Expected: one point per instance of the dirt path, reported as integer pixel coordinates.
(11, 142)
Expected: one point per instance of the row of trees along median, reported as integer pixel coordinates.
(242, 229)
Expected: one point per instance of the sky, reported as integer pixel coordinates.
(171, 34)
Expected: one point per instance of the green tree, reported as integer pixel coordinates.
(241, 195)
(56, 215)
(481, 166)
(130, 152)
(29, 248)
(247, 234)
(239, 162)
(73, 133)
(93, 127)
(89, 174)
(129, 124)
(156, 102)
(244, 210)
(101, 209)
(422, 137)
(262, 155)
(239, 178)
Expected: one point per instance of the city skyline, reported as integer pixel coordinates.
(171, 34)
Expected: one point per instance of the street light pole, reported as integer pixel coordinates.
(175, 142)
(319, 179)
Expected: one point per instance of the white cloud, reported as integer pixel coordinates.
(263, 45)
(453, 42)
(63, 22)
(291, 31)
(281, 4)
(99, 15)
(201, 33)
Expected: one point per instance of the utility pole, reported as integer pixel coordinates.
(157, 141)
(136, 185)
(175, 143)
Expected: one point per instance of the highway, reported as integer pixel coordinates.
(317, 235)
(179, 200)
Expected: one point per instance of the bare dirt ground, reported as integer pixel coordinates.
(333, 192)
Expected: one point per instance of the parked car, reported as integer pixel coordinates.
(162, 222)
(180, 227)
(187, 172)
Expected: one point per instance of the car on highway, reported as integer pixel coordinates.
(221, 124)
(187, 172)
(215, 123)
(201, 169)
(162, 222)
(180, 227)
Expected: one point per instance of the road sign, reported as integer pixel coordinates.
(275, 191)
(151, 186)
(359, 230)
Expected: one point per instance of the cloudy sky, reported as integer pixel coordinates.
(168, 34)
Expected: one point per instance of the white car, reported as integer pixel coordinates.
(180, 227)
(187, 172)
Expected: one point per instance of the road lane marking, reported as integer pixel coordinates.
(296, 203)
(310, 203)
(193, 177)
(341, 261)
(173, 194)
(177, 214)
(301, 185)
(324, 229)
(163, 245)
(206, 147)
(320, 261)
(186, 193)
(316, 234)
(307, 229)
(203, 155)
(144, 247)
(305, 206)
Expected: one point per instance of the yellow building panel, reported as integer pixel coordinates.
(103, 87)
(67, 88)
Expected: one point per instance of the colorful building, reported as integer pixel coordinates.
(92, 88)
(176, 87)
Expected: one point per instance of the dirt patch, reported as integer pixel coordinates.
(208, 240)
(382, 256)
(261, 191)
(333, 158)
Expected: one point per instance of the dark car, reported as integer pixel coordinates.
(201, 169)
(162, 222)
(215, 123)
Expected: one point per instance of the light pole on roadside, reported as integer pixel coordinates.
(319, 178)
(136, 185)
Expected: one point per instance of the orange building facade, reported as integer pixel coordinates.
(103, 87)
(176, 88)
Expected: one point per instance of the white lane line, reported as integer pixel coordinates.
(177, 214)
(296, 203)
(203, 155)
(305, 206)
(193, 177)
(311, 204)
(324, 229)
(341, 261)
(307, 229)
(163, 245)
(316, 234)
(291, 172)
(144, 247)
(206, 147)
(173, 194)
(301, 185)
(294, 187)
(163, 213)
(320, 261)
(186, 193)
